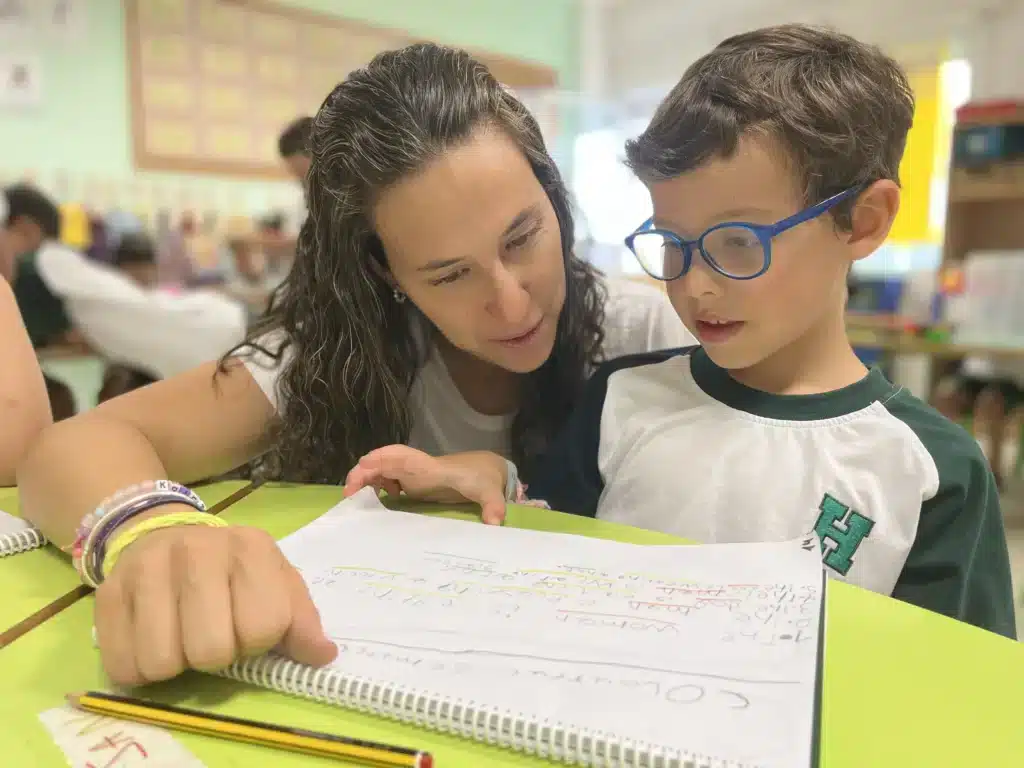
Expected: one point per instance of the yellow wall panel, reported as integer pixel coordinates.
(918, 167)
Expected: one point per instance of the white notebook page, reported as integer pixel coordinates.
(9, 524)
(708, 649)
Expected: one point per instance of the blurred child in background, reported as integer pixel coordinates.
(293, 147)
(246, 279)
(990, 394)
(135, 256)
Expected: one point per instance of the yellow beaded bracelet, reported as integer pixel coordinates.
(126, 538)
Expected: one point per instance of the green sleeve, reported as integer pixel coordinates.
(959, 564)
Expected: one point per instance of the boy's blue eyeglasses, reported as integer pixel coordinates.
(735, 249)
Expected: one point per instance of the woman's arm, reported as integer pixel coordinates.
(187, 596)
(185, 428)
(24, 406)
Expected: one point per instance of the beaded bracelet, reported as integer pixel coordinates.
(115, 510)
(89, 521)
(95, 545)
(112, 511)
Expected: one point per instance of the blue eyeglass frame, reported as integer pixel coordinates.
(765, 233)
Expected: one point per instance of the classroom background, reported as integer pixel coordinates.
(161, 119)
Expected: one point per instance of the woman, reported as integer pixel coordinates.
(435, 300)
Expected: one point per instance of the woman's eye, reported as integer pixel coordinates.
(523, 239)
(450, 278)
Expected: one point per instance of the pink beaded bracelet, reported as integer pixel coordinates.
(94, 530)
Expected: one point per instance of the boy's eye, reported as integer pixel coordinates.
(451, 277)
(520, 240)
(740, 241)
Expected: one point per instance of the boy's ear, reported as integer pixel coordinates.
(872, 217)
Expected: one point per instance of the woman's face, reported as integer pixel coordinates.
(474, 242)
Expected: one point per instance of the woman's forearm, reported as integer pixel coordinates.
(185, 429)
(76, 464)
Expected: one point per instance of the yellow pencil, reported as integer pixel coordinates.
(361, 752)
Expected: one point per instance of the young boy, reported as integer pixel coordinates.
(772, 167)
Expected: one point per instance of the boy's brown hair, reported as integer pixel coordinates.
(841, 110)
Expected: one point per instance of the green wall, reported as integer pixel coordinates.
(82, 126)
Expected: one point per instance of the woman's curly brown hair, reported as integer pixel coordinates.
(349, 351)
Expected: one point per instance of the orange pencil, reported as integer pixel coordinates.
(367, 753)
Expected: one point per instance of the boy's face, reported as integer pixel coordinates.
(742, 322)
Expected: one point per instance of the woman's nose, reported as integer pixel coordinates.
(510, 302)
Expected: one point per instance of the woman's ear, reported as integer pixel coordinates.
(379, 264)
(379, 270)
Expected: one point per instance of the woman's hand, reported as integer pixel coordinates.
(476, 476)
(195, 597)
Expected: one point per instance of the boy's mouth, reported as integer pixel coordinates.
(717, 331)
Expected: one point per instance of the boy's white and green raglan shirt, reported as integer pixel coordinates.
(902, 499)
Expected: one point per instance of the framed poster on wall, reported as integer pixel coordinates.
(213, 82)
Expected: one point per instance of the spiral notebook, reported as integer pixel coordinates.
(583, 651)
(16, 535)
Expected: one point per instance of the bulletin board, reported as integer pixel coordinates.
(213, 82)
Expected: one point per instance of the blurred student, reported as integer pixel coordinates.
(246, 278)
(32, 219)
(293, 146)
(990, 394)
(135, 257)
(277, 247)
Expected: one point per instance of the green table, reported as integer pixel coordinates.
(30, 581)
(903, 687)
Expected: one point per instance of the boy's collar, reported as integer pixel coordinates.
(717, 383)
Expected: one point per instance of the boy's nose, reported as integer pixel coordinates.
(699, 280)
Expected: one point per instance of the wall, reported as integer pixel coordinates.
(83, 124)
(992, 45)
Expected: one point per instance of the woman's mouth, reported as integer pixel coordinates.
(522, 339)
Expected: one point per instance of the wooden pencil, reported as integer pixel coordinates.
(367, 753)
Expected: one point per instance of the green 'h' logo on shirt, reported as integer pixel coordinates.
(841, 531)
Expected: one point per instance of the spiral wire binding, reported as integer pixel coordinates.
(20, 541)
(542, 738)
